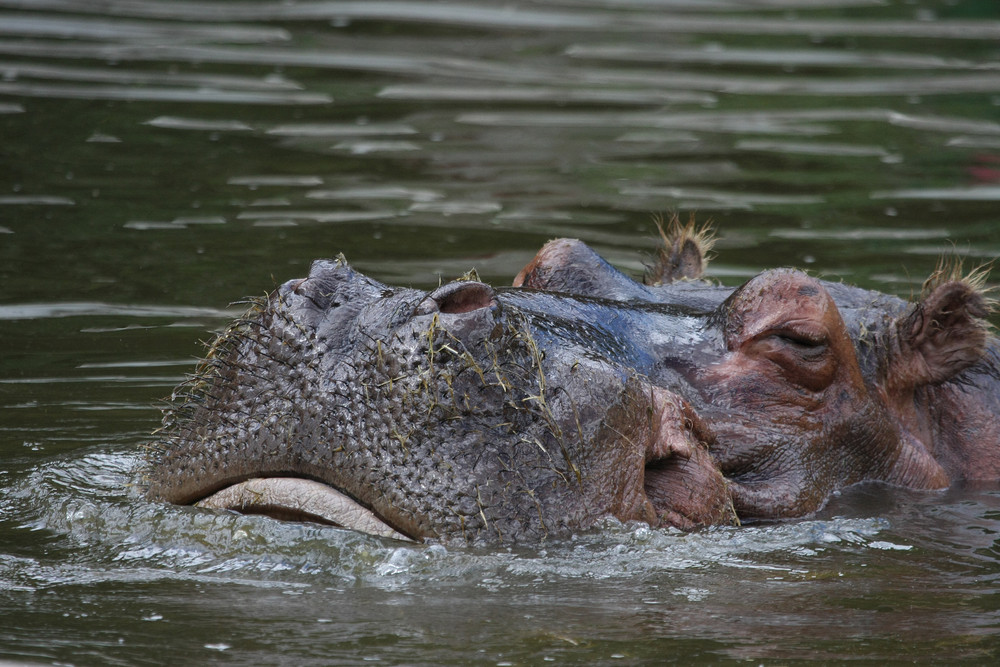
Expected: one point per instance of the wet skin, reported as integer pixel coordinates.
(475, 414)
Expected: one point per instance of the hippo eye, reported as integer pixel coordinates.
(809, 345)
(802, 353)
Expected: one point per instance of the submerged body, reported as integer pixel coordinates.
(495, 415)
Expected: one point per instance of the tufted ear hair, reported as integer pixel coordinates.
(939, 337)
(683, 254)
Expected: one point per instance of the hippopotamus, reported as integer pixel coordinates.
(486, 415)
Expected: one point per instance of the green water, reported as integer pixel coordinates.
(160, 160)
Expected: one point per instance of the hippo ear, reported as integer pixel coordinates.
(684, 253)
(939, 337)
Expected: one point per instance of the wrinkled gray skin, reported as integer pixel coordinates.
(484, 415)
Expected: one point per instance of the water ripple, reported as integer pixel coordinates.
(701, 198)
(717, 54)
(976, 193)
(175, 123)
(33, 25)
(800, 148)
(33, 311)
(10, 71)
(654, 20)
(546, 95)
(324, 130)
(35, 200)
(132, 93)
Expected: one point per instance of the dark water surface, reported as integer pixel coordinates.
(160, 160)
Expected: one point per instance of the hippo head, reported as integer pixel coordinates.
(484, 415)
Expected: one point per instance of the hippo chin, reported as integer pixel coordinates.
(474, 414)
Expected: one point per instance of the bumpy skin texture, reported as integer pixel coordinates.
(481, 415)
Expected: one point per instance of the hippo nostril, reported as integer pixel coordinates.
(459, 297)
(466, 297)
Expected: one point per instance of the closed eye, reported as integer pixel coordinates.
(803, 353)
(807, 344)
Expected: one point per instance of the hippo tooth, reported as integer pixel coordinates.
(299, 499)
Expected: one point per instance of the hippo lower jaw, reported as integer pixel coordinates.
(297, 499)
